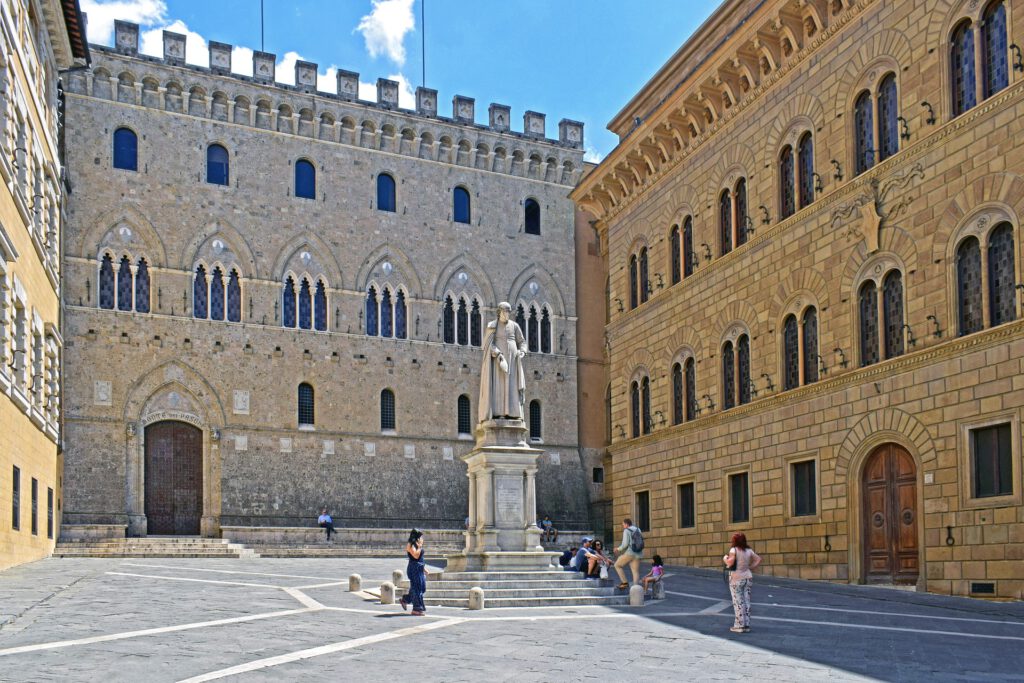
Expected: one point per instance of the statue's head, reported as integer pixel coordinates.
(504, 311)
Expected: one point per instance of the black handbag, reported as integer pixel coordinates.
(727, 570)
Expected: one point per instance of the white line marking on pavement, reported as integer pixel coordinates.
(181, 578)
(693, 595)
(322, 650)
(716, 608)
(958, 634)
(890, 614)
(225, 571)
(320, 585)
(149, 632)
(303, 598)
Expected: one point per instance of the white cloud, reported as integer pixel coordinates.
(286, 67)
(151, 42)
(100, 27)
(406, 96)
(384, 28)
(592, 155)
(241, 60)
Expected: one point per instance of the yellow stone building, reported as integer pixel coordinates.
(812, 225)
(38, 40)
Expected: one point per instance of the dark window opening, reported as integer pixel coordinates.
(531, 211)
(597, 476)
(791, 353)
(689, 262)
(385, 193)
(810, 341)
(739, 498)
(371, 312)
(962, 65)
(448, 321)
(888, 114)
(787, 182)
(306, 404)
(994, 52)
(642, 501)
(892, 311)
(675, 264)
(234, 297)
(35, 506)
(864, 130)
(305, 179)
(142, 287)
(288, 303)
(16, 499)
(125, 285)
(217, 165)
(387, 410)
(992, 455)
(535, 420)
(968, 272)
(106, 288)
(216, 294)
(465, 421)
(49, 513)
(805, 160)
(868, 324)
(1002, 291)
(126, 149)
(804, 490)
(460, 205)
(687, 505)
(200, 291)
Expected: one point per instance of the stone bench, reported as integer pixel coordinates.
(312, 535)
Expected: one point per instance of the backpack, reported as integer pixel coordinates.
(636, 540)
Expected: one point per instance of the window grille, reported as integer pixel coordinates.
(864, 131)
(787, 185)
(306, 404)
(728, 377)
(962, 65)
(371, 312)
(868, 324)
(216, 294)
(688, 260)
(691, 389)
(645, 283)
(533, 336)
(465, 422)
(810, 340)
(448, 316)
(200, 291)
(401, 327)
(35, 506)
(462, 323)
(142, 287)
(16, 499)
(1002, 293)
(994, 52)
(645, 398)
(677, 394)
(106, 288)
(888, 113)
(674, 255)
(725, 222)
(634, 405)
(633, 299)
(545, 331)
(805, 161)
(124, 285)
(535, 421)
(968, 271)
(791, 353)
(475, 324)
(386, 314)
(49, 512)
(804, 489)
(992, 461)
(387, 409)
(741, 211)
(288, 303)
(892, 311)
(743, 368)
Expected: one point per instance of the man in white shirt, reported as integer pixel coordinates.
(325, 522)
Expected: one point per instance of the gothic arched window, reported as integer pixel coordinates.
(401, 316)
(385, 193)
(805, 161)
(742, 225)
(463, 413)
(645, 283)
(386, 313)
(645, 400)
(634, 408)
(995, 71)
(533, 338)
(462, 323)
(961, 60)
(234, 298)
(787, 182)
(690, 370)
(448, 320)
(217, 165)
(535, 420)
(320, 307)
(892, 313)
(142, 286)
(531, 212)
(126, 149)
(125, 286)
(288, 303)
(387, 410)
(675, 255)
(968, 275)
(725, 222)
(689, 261)
(677, 394)
(521, 318)
(1001, 281)
(217, 294)
(868, 302)
(545, 331)
(743, 368)
(888, 114)
(791, 353)
(864, 132)
(728, 376)
(305, 305)
(371, 312)
(305, 179)
(634, 300)
(106, 288)
(810, 343)
(460, 205)
(306, 404)
(475, 324)
(200, 291)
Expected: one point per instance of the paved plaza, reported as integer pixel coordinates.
(200, 620)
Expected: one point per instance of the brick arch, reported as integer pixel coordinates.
(403, 264)
(799, 281)
(682, 338)
(314, 244)
(881, 426)
(947, 13)
(736, 312)
(641, 358)
(476, 272)
(133, 217)
(738, 160)
(888, 43)
(236, 242)
(890, 240)
(1005, 189)
(803, 109)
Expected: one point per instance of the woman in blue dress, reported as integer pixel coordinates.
(417, 573)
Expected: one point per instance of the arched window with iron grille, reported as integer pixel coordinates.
(787, 182)
(961, 61)
(888, 118)
(725, 222)
(864, 132)
(743, 368)
(1002, 293)
(634, 408)
(791, 353)
(106, 287)
(868, 303)
(125, 285)
(536, 431)
(728, 376)
(200, 291)
(892, 312)
(677, 394)
(634, 300)
(645, 283)
(288, 303)
(688, 258)
(995, 66)
(387, 410)
(306, 405)
(463, 415)
(742, 223)
(810, 344)
(142, 286)
(645, 399)
(675, 255)
(805, 161)
(690, 369)
(968, 272)
(217, 294)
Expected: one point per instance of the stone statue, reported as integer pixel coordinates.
(502, 382)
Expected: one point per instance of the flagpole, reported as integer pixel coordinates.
(261, 26)
(423, 42)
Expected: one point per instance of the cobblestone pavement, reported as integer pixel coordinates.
(263, 619)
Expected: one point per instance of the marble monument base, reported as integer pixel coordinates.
(502, 533)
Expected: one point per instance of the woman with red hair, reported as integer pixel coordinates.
(740, 560)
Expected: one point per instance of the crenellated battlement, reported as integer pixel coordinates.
(264, 65)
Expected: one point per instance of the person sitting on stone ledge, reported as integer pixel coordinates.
(566, 560)
(654, 576)
(325, 522)
(582, 553)
(597, 559)
(549, 534)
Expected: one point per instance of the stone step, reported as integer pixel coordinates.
(608, 600)
(553, 574)
(164, 547)
(530, 592)
(143, 555)
(569, 584)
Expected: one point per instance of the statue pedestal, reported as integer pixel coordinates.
(503, 533)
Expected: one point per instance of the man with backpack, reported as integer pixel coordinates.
(630, 551)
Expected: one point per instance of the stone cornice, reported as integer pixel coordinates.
(949, 349)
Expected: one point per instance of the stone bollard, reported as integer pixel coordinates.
(387, 593)
(636, 596)
(659, 591)
(355, 583)
(397, 577)
(476, 598)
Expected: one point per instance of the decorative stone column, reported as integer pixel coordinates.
(503, 533)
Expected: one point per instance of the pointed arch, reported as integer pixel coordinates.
(401, 262)
(200, 247)
(549, 290)
(144, 235)
(160, 377)
(307, 241)
(465, 261)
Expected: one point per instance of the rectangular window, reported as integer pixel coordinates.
(598, 475)
(992, 461)
(642, 503)
(804, 492)
(35, 507)
(49, 512)
(739, 498)
(16, 499)
(687, 505)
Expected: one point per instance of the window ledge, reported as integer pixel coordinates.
(465, 437)
(389, 432)
(307, 428)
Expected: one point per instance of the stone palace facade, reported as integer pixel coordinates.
(813, 230)
(275, 297)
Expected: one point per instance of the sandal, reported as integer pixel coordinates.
(624, 585)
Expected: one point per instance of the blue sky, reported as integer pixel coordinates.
(577, 59)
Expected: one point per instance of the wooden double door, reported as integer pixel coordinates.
(889, 516)
(174, 478)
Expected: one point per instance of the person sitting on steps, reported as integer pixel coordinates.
(325, 522)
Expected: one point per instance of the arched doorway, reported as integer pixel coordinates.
(889, 516)
(174, 478)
